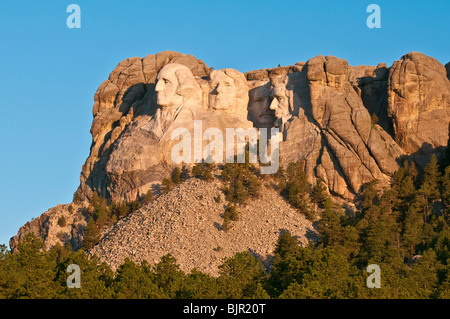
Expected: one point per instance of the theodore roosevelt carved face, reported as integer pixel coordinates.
(259, 111)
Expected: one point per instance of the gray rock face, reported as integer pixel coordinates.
(361, 150)
(419, 102)
(371, 84)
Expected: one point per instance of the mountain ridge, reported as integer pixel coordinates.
(347, 124)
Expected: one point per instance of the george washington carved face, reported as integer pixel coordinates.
(175, 85)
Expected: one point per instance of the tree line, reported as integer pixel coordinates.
(403, 228)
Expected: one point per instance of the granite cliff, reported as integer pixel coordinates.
(347, 124)
(325, 117)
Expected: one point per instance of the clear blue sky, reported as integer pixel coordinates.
(49, 73)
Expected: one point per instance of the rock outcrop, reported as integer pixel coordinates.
(419, 102)
(329, 126)
(324, 108)
(49, 227)
(348, 124)
(371, 83)
(363, 150)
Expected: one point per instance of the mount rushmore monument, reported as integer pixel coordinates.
(348, 125)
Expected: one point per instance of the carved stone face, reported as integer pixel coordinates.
(280, 102)
(228, 91)
(259, 111)
(223, 93)
(167, 87)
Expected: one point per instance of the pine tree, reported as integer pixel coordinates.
(429, 189)
(197, 170)
(135, 205)
(423, 278)
(297, 189)
(226, 224)
(148, 198)
(293, 291)
(319, 193)
(98, 203)
(198, 285)
(231, 212)
(34, 271)
(96, 277)
(132, 282)
(123, 209)
(369, 194)
(329, 225)
(207, 174)
(166, 185)
(184, 173)
(445, 190)
(403, 183)
(239, 275)
(260, 292)
(240, 182)
(430, 184)
(168, 276)
(101, 217)
(286, 245)
(91, 236)
(252, 183)
(412, 230)
(176, 176)
(99, 209)
(240, 192)
(380, 240)
(62, 221)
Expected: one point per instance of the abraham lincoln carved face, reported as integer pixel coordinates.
(281, 103)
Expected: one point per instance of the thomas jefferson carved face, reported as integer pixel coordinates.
(229, 90)
(223, 94)
(175, 85)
